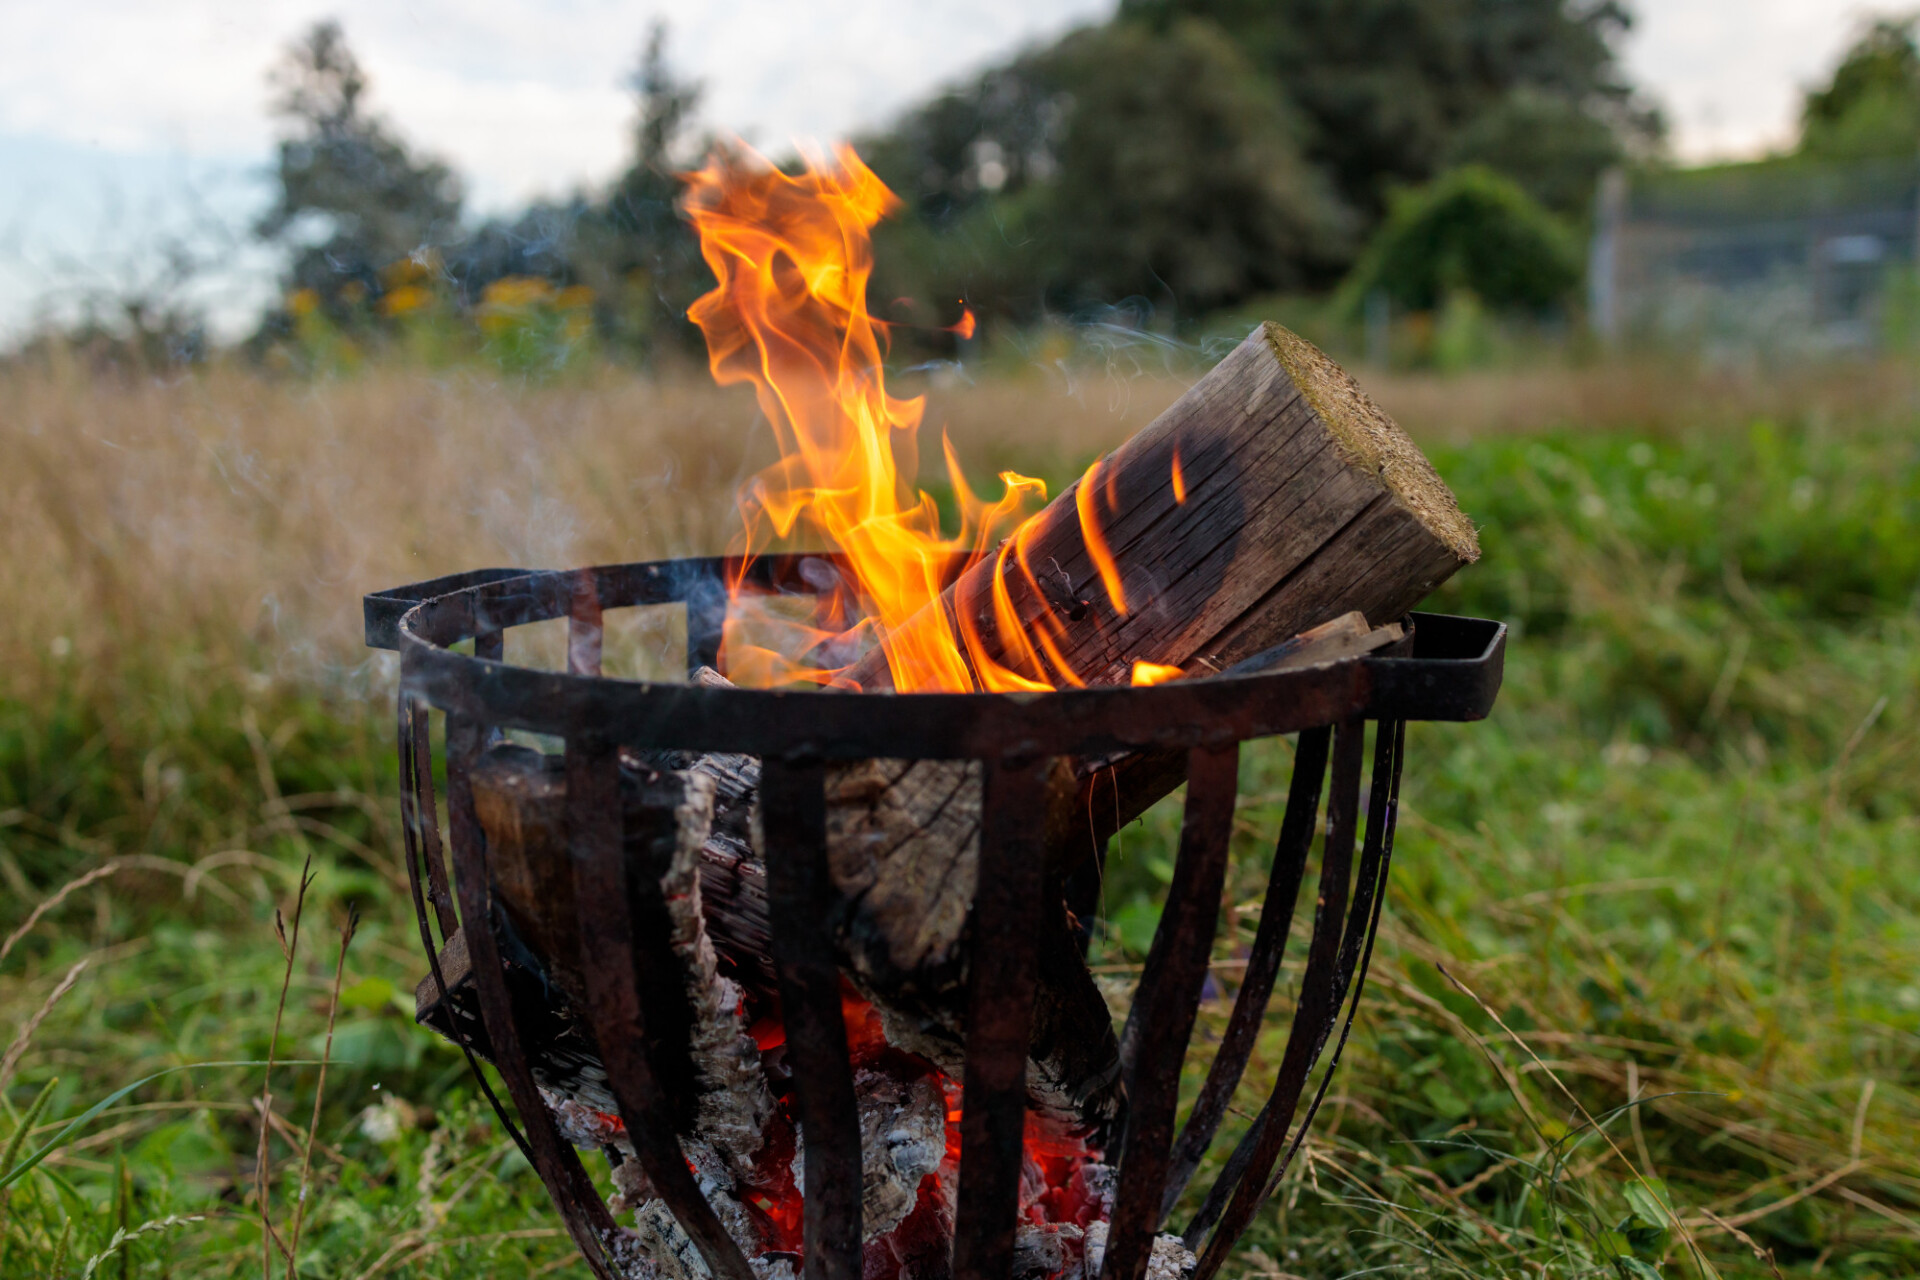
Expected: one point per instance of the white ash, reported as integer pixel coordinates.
(582, 1125)
(1048, 1250)
(734, 1105)
(659, 1250)
(1170, 1260)
(903, 1138)
(716, 1183)
(629, 1257)
(1096, 1183)
(670, 1249)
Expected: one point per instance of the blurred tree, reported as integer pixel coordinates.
(1555, 149)
(1179, 174)
(1871, 107)
(634, 250)
(1386, 86)
(352, 198)
(1470, 231)
(1120, 162)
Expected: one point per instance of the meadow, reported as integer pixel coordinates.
(1647, 1000)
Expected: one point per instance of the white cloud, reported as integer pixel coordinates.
(526, 97)
(1730, 72)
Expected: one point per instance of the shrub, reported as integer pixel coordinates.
(1470, 229)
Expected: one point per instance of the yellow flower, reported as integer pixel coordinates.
(576, 297)
(303, 302)
(404, 271)
(406, 299)
(516, 293)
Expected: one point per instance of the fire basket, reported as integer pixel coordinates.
(605, 914)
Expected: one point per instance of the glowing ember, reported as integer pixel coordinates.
(792, 256)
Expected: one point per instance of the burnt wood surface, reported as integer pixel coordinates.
(1301, 501)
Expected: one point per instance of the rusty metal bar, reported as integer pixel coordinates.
(1313, 1016)
(793, 807)
(1383, 807)
(1007, 918)
(605, 896)
(1263, 963)
(440, 890)
(1165, 1003)
(416, 793)
(567, 1182)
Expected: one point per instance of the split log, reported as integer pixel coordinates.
(1298, 500)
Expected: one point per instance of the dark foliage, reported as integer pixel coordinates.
(1180, 177)
(1554, 148)
(1386, 85)
(1120, 162)
(1871, 108)
(1470, 230)
(638, 254)
(352, 197)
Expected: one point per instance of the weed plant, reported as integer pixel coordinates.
(1645, 998)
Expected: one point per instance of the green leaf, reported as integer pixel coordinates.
(368, 993)
(1650, 1202)
(59, 1139)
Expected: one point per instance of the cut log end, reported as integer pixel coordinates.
(1368, 438)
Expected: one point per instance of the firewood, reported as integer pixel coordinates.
(1298, 500)
(907, 893)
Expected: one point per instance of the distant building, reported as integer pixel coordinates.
(1779, 255)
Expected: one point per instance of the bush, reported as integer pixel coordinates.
(1473, 230)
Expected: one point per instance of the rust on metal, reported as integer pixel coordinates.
(1160, 1020)
(1007, 919)
(793, 805)
(1263, 964)
(618, 987)
(585, 1214)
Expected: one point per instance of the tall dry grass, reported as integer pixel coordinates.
(251, 514)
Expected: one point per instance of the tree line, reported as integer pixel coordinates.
(1182, 157)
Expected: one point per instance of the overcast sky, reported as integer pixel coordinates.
(111, 109)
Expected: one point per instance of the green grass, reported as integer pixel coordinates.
(1681, 864)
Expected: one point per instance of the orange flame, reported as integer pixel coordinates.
(792, 257)
(1153, 673)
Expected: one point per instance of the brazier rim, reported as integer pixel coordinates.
(1453, 674)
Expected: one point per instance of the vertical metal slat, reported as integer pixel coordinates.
(585, 626)
(1007, 918)
(793, 807)
(1164, 1005)
(1263, 963)
(1313, 1016)
(603, 896)
(581, 1207)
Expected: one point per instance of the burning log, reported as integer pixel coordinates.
(1272, 497)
